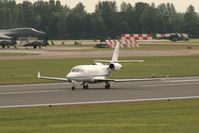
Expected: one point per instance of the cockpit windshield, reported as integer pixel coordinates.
(77, 70)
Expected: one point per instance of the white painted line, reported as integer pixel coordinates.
(159, 85)
(179, 78)
(188, 80)
(29, 85)
(101, 102)
(27, 92)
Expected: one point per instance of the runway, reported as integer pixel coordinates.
(61, 93)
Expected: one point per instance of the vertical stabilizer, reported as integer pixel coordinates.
(115, 54)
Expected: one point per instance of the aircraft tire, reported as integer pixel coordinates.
(107, 86)
(85, 86)
(73, 88)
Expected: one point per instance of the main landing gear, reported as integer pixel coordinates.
(85, 85)
(73, 87)
(107, 85)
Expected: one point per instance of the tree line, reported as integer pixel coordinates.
(61, 22)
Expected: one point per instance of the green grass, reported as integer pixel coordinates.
(165, 47)
(162, 47)
(143, 47)
(25, 71)
(141, 117)
(194, 40)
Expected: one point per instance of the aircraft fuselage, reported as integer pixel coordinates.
(88, 73)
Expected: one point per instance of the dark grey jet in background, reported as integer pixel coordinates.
(8, 37)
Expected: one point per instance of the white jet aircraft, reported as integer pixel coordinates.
(97, 72)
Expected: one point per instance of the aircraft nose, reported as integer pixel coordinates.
(69, 75)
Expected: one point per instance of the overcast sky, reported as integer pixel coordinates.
(181, 5)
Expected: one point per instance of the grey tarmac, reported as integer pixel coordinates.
(61, 94)
(45, 53)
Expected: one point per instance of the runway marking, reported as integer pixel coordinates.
(179, 78)
(28, 85)
(188, 80)
(101, 102)
(26, 92)
(159, 85)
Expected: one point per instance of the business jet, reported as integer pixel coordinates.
(97, 72)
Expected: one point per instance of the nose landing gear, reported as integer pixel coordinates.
(73, 86)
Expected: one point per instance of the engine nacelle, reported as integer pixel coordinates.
(115, 66)
(97, 63)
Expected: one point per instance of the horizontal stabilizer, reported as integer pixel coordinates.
(130, 61)
(121, 61)
(107, 61)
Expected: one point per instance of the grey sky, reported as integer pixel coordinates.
(181, 5)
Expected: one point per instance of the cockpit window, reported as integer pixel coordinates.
(77, 70)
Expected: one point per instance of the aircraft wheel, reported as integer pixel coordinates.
(85, 86)
(107, 86)
(73, 88)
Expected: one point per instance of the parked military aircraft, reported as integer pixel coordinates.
(9, 36)
(38, 43)
(7, 43)
(174, 36)
(97, 72)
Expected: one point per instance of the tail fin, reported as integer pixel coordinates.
(115, 54)
(115, 57)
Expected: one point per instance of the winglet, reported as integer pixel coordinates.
(38, 75)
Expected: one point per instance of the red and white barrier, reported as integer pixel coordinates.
(128, 40)
(129, 43)
(137, 36)
(123, 43)
(113, 43)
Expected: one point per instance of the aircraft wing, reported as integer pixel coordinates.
(52, 78)
(135, 80)
(4, 36)
(129, 80)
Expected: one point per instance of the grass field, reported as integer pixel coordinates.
(141, 117)
(163, 47)
(142, 47)
(25, 71)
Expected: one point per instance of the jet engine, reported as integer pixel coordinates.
(115, 66)
(97, 63)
